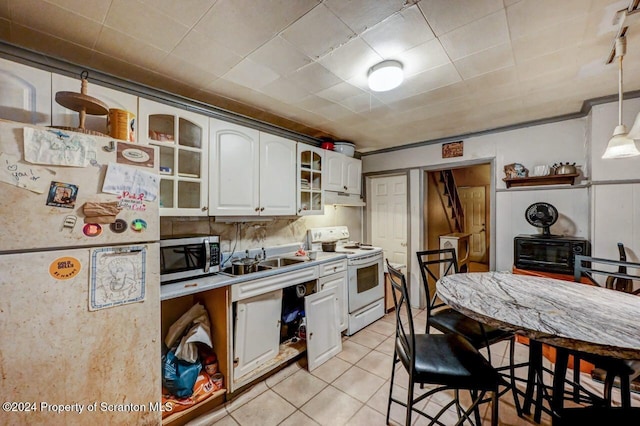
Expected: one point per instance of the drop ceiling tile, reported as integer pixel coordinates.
(251, 74)
(280, 55)
(552, 38)
(363, 102)
(187, 14)
(488, 60)
(354, 57)
(314, 78)
(231, 28)
(530, 17)
(340, 92)
(146, 24)
(285, 91)
(313, 103)
(477, 36)
(333, 112)
(56, 21)
(127, 70)
(445, 16)
(231, 90)
(423, 57)
(201, 50)
(362, 14)
(123, 47)
(398, 33)
(95, 10)
(189, 73)
(304, 33)
(40, 42)
(434, 78)
(275, 15)
(432, 97)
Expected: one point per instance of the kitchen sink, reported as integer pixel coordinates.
(279, 262)
(267, 264)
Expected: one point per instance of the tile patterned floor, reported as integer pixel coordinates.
(353, 387)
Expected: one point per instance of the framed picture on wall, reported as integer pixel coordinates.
(452, 149)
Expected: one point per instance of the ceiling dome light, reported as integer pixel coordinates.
(385, 76)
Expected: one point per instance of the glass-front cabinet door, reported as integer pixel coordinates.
(310, 165)
(181, 138)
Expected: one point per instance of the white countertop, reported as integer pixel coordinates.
(197, 285)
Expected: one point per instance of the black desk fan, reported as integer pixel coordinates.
(542, 215)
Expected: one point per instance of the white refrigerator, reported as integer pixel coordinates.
(79, 279)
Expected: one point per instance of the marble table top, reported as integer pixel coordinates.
(561, 313)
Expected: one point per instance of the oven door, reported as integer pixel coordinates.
(366, 281)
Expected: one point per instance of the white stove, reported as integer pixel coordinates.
(365, 274)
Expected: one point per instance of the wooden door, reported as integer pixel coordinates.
(474, 207)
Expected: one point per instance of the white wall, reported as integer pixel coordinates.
(545, 144)
(615, 200)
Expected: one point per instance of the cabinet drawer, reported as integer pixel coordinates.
(274, 282)
(333, 267)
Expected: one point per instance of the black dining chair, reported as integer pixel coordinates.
(442, 262)
(594, 270)
(447, 361)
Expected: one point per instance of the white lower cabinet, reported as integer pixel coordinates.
(261, 342)
(339, 283)
(323, 336)
(257, 332)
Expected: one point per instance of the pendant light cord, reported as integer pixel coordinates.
(620, 90)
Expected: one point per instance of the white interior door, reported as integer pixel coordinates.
(473, 205)
(323, 336)
(388, 208)
(257, 336)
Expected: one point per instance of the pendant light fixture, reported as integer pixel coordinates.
(385, 76)
(620, 145)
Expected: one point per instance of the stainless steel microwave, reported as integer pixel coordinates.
(189, 256)
(549, 253)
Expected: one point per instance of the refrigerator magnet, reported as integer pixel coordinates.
(138, 225)
(119, 226)
(92, 229)
(62, 195)
(64, 268)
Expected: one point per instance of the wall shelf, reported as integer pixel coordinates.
(541, 180)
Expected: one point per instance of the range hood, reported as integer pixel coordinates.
(343, 199)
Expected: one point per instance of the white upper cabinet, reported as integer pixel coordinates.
(25, 94)
(277, 175)
(62, 116)
(252, 172)
(182, 138)
(310, 197)
(342, 173)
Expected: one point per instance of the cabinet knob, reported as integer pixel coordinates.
(204, 209)
(299, 210)
(257, 209)
(345, 188)
(261, 209)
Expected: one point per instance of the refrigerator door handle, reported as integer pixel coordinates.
(207, 255)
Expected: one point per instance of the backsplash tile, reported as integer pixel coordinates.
(251, 235)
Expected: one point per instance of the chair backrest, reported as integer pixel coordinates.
(618, 272)
(432, 262)
(405, 336)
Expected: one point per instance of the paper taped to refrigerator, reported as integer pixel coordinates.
(117, 276)
(26, 176)
(58, 148)
(121, 179)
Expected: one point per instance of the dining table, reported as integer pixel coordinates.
(567, 315)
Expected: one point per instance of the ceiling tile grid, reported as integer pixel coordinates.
(468, 64)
